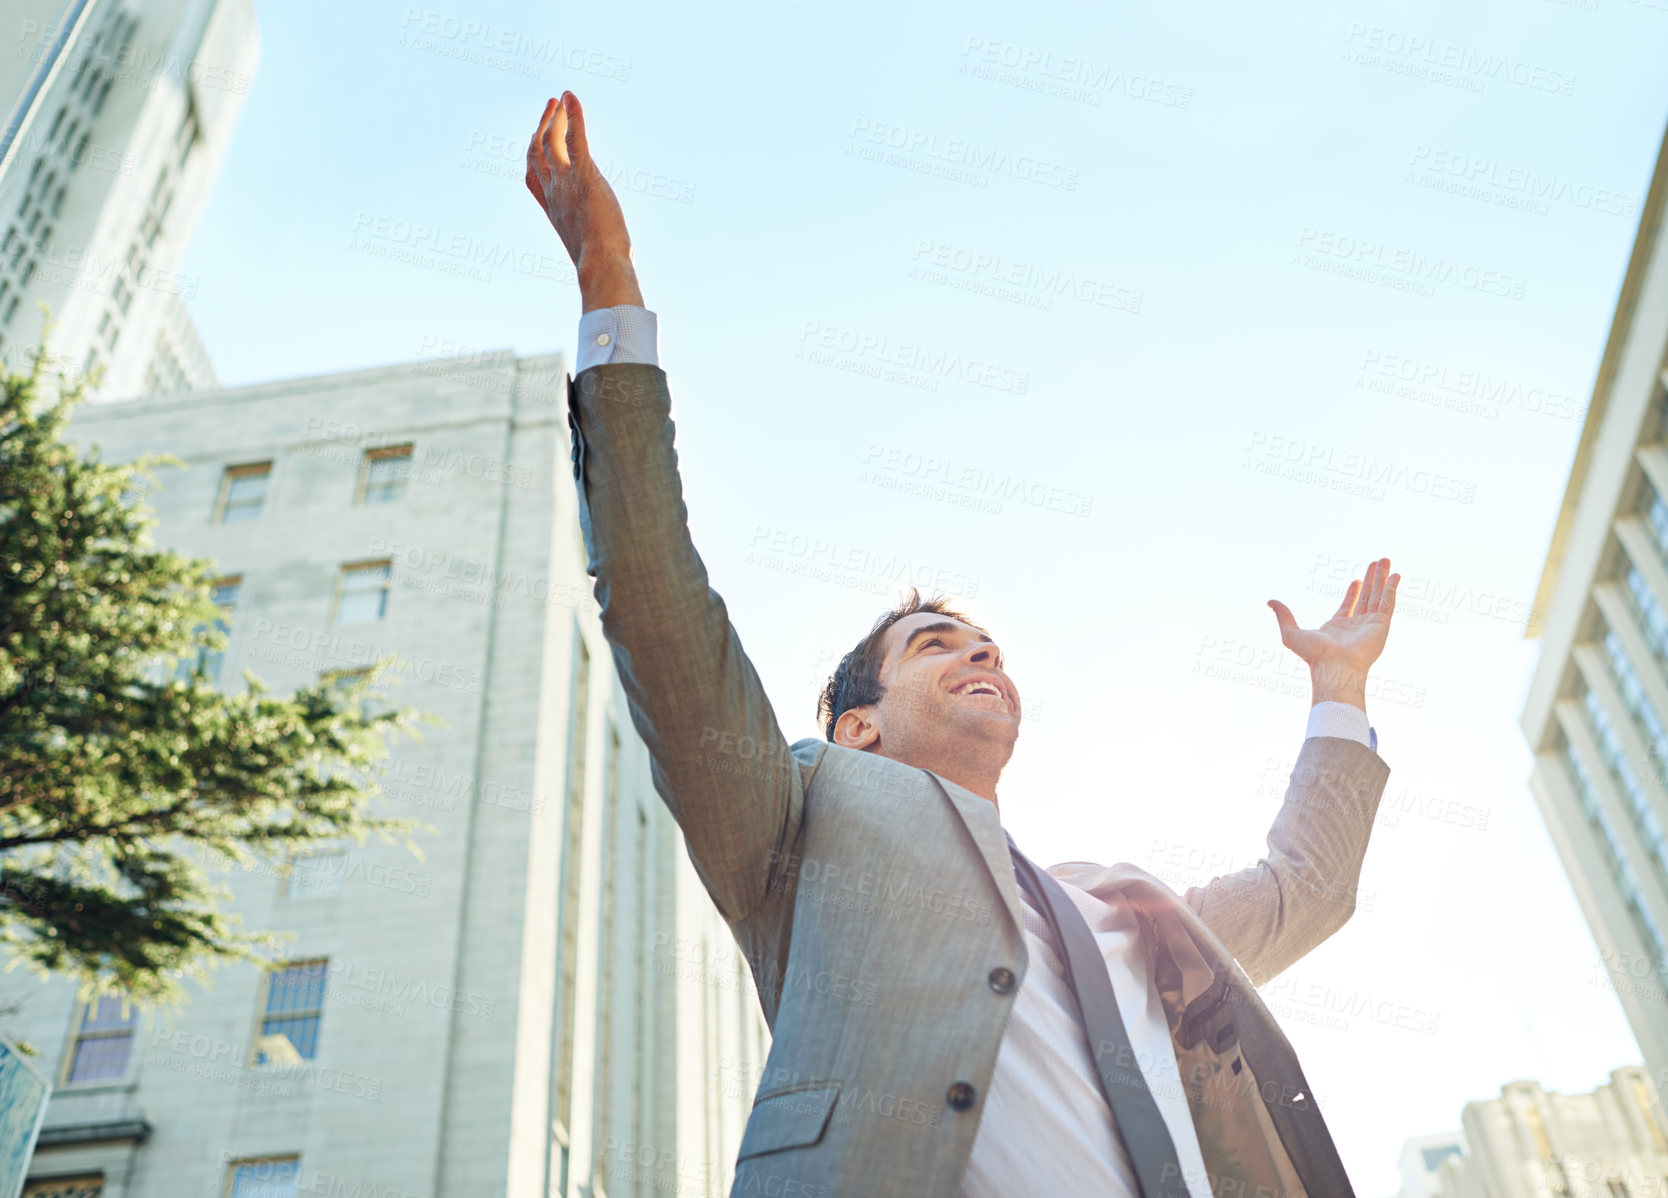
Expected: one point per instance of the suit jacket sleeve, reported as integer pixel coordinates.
(1272, 913)
(718, 757)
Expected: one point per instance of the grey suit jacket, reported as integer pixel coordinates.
(874, 901)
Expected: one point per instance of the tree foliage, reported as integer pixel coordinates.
(119, 780)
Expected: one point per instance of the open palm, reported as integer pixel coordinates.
(1355, 635)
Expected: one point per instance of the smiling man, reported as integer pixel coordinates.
(947, 1017)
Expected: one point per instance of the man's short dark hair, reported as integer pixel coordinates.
(856, 681)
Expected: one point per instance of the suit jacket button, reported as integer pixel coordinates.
(1002, 980)
(961, 1096)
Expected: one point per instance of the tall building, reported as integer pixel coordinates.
(1528, 1143)
(547, 1003)
(1596, 718)
(119, 116)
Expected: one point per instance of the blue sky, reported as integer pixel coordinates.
(1144, 260)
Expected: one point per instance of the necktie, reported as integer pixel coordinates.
(1134, 1113)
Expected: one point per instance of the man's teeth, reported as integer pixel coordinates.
(979, 688)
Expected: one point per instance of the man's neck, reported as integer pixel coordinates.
(958, 769)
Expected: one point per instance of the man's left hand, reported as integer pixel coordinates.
(1341, 650)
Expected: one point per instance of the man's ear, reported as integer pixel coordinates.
(853, 729)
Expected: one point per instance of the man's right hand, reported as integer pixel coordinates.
(564, 179)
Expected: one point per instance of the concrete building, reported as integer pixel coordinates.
(119, 115)
(1422, 1158)
(1596, 718)
(547, 1003)
(1528, 1143)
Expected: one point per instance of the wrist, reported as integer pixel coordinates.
(1338, 682)
(607, 280)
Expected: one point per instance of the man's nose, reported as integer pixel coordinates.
(985, 653)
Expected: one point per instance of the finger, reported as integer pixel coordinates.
(1350, 593)
(556, 136)
(1283, 616)
(1367, 578)
(578, 146)
(1388, 607)
(1380, 571)
(544, 123)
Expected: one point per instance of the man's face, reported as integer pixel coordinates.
(945, 691)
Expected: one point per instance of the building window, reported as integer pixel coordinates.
(294, 1008)
(602, 1129)
(210, 660)
(1610, 848)
(383, 474)
(103, 1041)
(1656, 515)
(275, 1177)
(1651, 614)
(568, 870)
(362, 594)
(1644, 818)
(242, 492)
(1633, 697)
(65, 1187)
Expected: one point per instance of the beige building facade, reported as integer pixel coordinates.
(1596, 718)
(1531, 1143)
(547, 1003)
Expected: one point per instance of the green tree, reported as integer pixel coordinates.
(119, 780)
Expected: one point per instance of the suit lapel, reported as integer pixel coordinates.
(979, 817)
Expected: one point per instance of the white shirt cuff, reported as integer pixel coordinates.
(1332, 718)
(623, 334)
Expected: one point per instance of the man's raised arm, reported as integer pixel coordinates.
(719, 758)
(1272, 913)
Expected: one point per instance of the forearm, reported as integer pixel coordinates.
(1304, 889)
(607, 279)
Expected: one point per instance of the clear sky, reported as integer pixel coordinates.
(1143, 259)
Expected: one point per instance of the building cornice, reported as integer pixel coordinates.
(1644, 242)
